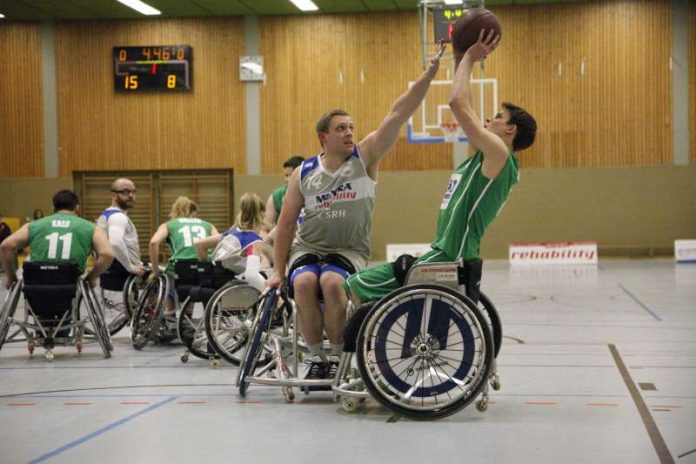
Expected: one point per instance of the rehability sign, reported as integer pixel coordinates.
(685, 251)
(525, 254)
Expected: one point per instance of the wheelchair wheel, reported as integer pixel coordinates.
(8, 309)
(150, 308)
(96, 318)
(190, 326)
(228, 315)
(259, 333)
(496, 326)
(425, 351)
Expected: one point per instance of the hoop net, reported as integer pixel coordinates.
(451, 131)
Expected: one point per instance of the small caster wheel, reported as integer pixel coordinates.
(184, 357)
(482, 404)
(215, 362)
(288, 394)
(349, 403)
(495, 383)
(49, 356)
(79, 347)
(31, 347)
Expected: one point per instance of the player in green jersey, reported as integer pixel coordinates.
(477, 189)
(181, 232)
(62, 236)
(275, 199)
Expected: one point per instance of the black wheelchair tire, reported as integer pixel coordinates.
(495, 322)
(142, 325)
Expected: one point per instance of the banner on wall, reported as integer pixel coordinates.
(685, 251)
(526, 254)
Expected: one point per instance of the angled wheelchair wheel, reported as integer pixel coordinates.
(190, 326)
(228, 317)
(425, 351)
(101, 332)
(493, 318)
(8, 309)
(258, 334)
(150, 308)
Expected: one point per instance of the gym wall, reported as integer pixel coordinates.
(616, 113)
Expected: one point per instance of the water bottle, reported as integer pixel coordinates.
(252, 274)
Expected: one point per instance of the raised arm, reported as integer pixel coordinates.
(285, 229)
(380, 141)
(8, 253)
(495, 152)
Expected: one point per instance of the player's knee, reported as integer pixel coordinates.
(332, 284)
(305, 284)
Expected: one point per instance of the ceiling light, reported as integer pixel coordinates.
(305, 5)
(140, 7)
(2, 15)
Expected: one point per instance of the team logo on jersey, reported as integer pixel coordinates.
(343, 192)
(451, 188)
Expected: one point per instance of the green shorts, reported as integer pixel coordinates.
(377, 282)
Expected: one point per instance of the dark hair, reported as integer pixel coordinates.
(65, 199)
(293, 162)
(325, 120)
(38, 212)
(526, 127)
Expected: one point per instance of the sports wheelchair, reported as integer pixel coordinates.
(192, 285)
(274, 349)
(426, 350)
(54, 296)
(119, 292)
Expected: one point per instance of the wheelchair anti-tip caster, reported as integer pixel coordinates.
(49, 355)
(482, 404)
(495, 382)
(184, 358)
(349, 403)
(31, 347)
(288, 394)
(215, 362)
(78, 345)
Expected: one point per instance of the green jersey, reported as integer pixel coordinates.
(278, 195)
(61, 237)
(470, 204)
(182, 234)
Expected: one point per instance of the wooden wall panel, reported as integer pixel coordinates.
(315, 63)
(21, 110)
(619, 111)
(692, 82)
(100, 129)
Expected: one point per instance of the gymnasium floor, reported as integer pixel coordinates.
(598, 365)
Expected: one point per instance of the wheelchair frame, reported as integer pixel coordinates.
(436, 282)
(30, 329)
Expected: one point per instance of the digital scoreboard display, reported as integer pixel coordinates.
(153, 68)
(444, 18)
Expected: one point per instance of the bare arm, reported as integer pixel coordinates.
(495, 152)
(160, 236)
(8, 252)
(105, 255)
(203, 245)
(271, 215)
(292, 205)
(379, 142)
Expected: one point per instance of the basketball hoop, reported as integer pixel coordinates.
(451, 131)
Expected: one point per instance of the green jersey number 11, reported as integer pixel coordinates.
(53, 240)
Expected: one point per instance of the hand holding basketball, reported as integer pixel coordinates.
(484, 46)
(435, 62)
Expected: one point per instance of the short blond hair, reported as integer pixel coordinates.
(182, 207)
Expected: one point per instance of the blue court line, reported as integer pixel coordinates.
(102, 430)
(649, 311)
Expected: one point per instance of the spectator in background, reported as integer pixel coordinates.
(5, 230)
(38, 214)
(275, 199)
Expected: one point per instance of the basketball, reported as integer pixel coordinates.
(468, 27)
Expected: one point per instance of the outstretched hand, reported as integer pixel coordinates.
(435, 62)
(484, 46)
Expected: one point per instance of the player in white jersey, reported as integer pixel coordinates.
(336, 189)
(120, 229)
